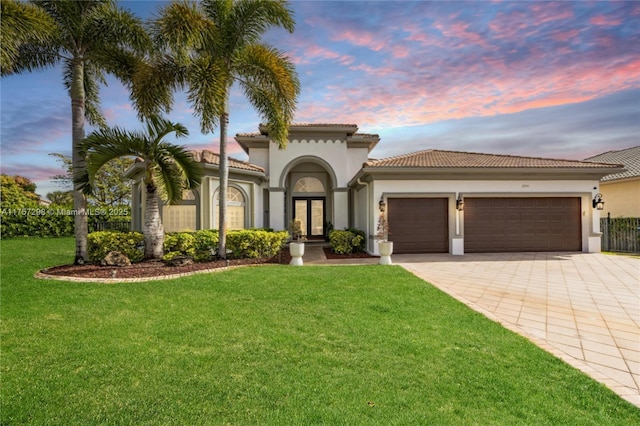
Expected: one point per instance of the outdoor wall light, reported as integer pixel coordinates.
(598, 203)
(460, 203)
(382, 205)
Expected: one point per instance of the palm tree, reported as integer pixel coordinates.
(89, 38)
(168, 169)
(21, 23)
(209, 46)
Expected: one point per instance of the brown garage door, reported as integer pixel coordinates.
(418, 225)
(522, 224)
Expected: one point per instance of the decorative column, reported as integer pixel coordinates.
(276, 209)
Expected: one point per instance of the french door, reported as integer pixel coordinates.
(310, 211)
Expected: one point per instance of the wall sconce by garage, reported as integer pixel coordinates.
(382, 205)
(460, 203)
(598, 203)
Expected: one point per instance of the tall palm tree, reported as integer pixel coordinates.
(210, 45)
(89, 38)
(168, 169)
(21, 23)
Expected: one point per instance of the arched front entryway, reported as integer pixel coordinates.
(309, 196)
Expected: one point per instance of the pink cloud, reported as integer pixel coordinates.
(603, 20)
(565, 35)
(314, 52)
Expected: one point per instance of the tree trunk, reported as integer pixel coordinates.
(224, 183)
(78, 162)
(153, 230)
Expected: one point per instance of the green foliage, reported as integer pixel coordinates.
(360, 248)
(171, 255)
(17, 191)
(111, 188)
(129, 243)
(206, 242)
(255, 243)
(180, 242)
(199, 245)
(347, 241)
(272, 345)
(36, 221)
(61, 198)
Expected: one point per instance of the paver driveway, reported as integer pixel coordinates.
(582, 307)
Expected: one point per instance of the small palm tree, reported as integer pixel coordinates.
(89, 38)
(209, 46)
(168, 169)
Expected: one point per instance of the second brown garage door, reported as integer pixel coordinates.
(522, 224)
(418, 225)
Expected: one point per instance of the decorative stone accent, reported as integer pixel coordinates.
(180, 261)
(115, 258)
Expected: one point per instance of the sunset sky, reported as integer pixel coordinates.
(545, 79)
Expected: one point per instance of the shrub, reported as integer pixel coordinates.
(344, 242)
(35, 221)
(205, 245)
(183, 243)
(129, 243)
(359, 245)
(252, 243)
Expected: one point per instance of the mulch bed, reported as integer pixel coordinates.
(149, 269)
(331, 255)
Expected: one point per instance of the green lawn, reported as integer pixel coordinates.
(271, 345)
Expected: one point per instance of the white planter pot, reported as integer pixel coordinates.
(297, 251)
(386, 249)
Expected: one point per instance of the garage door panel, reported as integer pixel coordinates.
(418, 225)
(522, 224)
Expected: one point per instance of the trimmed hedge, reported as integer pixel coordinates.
(255, 243)
(35, 221)
(347, 241)
(129, 243)
(48, 221)
(201, 245)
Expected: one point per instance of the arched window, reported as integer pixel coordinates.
(308, 184)
(235, 208)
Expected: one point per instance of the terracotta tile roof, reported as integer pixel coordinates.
(629, 158)
(209, 157)
(433, 158)
(298, 126)
(248, 135)
(323, 125)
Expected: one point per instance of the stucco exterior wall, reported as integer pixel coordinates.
(622, 198)
(333, 152)
(493, 188)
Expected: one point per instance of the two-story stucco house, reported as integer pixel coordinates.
(436, 201)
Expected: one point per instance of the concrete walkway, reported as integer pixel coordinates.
(582, 307)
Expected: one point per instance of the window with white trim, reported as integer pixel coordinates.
(235, 208)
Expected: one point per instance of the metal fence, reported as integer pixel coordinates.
(111, 226)
(620, 234)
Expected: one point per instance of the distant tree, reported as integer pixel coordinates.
(89, 38)
(111, 189)
(168, 169)
(207, 47)
(61, 198)
(17, 192)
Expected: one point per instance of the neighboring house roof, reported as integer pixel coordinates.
(209, 157)
(434, 158)
(629, 157)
